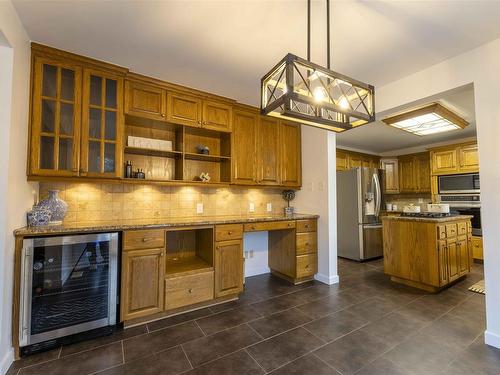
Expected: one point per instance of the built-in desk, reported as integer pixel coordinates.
(185, 264)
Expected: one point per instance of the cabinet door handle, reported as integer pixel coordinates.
(162, 115)
(199, 122)
(306, 226)
(204, 122)
(307, 266)
(229, 233)
(307, 243)
(217, 247)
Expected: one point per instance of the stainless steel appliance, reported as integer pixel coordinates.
(68, 286)
(459, 184)
(465, 204)
(359, 198)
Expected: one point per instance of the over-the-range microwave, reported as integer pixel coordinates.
(459, 184)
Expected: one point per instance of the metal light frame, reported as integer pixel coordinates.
(289, 91)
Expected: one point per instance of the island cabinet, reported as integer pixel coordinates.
(428, 254)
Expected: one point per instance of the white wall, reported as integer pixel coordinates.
(13, 150)
(481, 67)
(319, 195)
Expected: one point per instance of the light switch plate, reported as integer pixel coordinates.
(251, 207)
(269, 207)
(199, 208)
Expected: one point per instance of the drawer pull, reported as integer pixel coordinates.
(307, 266)
(306, 226)
(190, 290)
(307, 243)
(229, 232)
(289, 224)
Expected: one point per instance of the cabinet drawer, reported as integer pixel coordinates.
(462, 228)
(187, 290)
(306, 225)
(228, 232)
(306, 265)
(451, 230)
(143, 239)
(271, 225)
(307, 243)
(442, 232)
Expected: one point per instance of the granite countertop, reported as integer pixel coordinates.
(428, 219)
(119, 225)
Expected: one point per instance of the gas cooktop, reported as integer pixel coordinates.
(427, 214)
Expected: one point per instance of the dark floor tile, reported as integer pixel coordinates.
(278, 350)
(471, 309)
(169, 362)
(330, 304)
(307, 365)
(177, 319)
(382, 366)
(156, 341)
(454, 331)
(35, 359)
(80, 364)
(422, 354)
(245, 299)
(350, 353)
(277, 304)
(276, 323)
(217, 345)
(394, 327)
(316, 292)
(237, 363)
(335, 325)
(478, 358)
(227, 319)
(373, 308)
(105, 340)
(423, 311)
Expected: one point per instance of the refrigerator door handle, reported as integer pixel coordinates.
(378, 194)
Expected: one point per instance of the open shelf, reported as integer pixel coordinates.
(150, 152)
(205, 157)
(186, 266)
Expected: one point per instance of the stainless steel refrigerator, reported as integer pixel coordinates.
(359, 199)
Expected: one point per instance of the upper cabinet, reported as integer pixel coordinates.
(350, 159)
(102, 125)
(268, 150)
(217, 116)
(56, 118)
(145, 101)
(244, 140)
(184, 109)
(414, 173)
(455, 159)
(391, 175)
(290, 154)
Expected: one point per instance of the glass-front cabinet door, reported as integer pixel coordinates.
(102, 125)
(55, 119)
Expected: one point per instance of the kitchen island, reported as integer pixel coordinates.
(427, 253)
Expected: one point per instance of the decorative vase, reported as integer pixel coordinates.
(38, 216)
(57, 207)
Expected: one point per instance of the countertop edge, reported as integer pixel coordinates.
(427, 219)
(117, 227)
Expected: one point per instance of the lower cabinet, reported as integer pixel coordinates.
(228, 262)
(454, 254)
(142, 282)
(477, 247)
(186, 290)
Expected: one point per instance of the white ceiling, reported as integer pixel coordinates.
(225, 47)
(380, 138)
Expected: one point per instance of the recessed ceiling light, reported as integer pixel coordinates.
(428, 120)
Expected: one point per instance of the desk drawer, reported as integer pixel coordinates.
(306, 226)
(451, 230)
(269, 225)
(462, 228)
(187, 290)
(228, 232)
(306, 265)
(143, 239)
(307, 243)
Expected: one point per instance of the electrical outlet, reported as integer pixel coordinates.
(199, 208)
(251, 253)
(245, 255)
(269, 207)
(251, 207)
(309, 186)
(420, 200)
(321, 186)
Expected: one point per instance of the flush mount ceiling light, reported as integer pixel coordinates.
(301, 91)
(428, 120)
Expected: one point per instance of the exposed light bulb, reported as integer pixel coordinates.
(319, 94)
(344, 103)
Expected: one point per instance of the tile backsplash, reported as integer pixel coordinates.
(100, 202)
(404, 200)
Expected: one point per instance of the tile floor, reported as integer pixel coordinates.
(364, 325)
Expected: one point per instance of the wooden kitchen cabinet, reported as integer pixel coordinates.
(407, 181)
(228, 262)
(414, 173)
(477, 247)
(268, 146)
(391, 175)
(142, 283)
(443, 263)
(423, 170)
(290, 154)
(184, 109)
(350, 159)
(146, 101)
(455, 159)
(102, 125)
(244, 138)
(342, 161)
(217, 116)
(56, 118)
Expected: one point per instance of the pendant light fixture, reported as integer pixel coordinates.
(299, 90)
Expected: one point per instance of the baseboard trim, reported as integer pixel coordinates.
(492, 339)
(329, 280)
(7, 360)
(257, 271)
